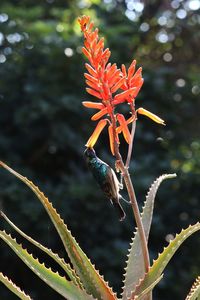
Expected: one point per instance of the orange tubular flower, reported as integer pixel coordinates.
(124, 127)
(94, 137)
(110, 85)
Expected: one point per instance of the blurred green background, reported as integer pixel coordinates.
(44, 129)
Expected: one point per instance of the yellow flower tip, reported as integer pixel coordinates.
(150, 115)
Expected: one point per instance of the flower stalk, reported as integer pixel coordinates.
(113, 87)
(131, 193)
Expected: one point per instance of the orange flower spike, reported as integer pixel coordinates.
(119, 98)
(87, 54)
(124, 70)
(95, 105)
(111, 139)
(99, 45)
(91, 78)
(100, 114)
(91, 70)
(124, 127)
(111, 69)
(118, 85)
(130, 120)
(112, 79)
(93, 93)
(94, 137)
(90, 26)
(105, 92)
(137, 75)
(83, 21)
(150, 115)
(131, 69)
(138, 88)
(93, 85)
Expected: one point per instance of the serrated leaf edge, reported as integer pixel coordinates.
(150, 197)
(149, 288)
(60, 261)
(188, 232)
(74, 294)
(195, 290)
(108, 293)
(13, 287)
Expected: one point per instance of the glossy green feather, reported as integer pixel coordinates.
(106, 178)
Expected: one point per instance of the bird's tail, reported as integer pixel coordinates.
(121, 212)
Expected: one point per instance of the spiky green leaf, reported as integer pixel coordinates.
(194, 293)
(163, 259)
(135, 264)
(66, 267)
(148, 289)
(13, 287)
(60, 284)
(92, 281)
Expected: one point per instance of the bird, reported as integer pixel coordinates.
(106, 178)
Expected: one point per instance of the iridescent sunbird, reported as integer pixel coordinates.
(106, 178)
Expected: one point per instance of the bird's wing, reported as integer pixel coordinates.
(113, 183)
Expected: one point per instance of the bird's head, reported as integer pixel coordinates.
(89, 153)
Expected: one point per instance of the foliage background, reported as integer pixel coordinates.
(44, 129)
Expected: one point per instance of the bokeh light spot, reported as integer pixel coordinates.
(194, 4)
(195, 90)
(162, 37)
(181, 13)
(3, 18)
(180, 82)
(144, 27)
(2, 58)
(177, 97)
(162, 20)
(1, 38)
(169, 237)
(167, 57)
(69, 52)
(59, 28)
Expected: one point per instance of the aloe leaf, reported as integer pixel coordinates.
(66, 267)
(91, 279)
(13, 287)
(60, 284)
(135, 264)
(194, 293)
(163, 259)
(149, 288)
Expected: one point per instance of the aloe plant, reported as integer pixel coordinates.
(81, 280)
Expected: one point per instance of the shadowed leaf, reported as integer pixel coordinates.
(135, 269)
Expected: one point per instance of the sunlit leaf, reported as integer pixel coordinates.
(92, 281)
(148, 289)
(60, 284)
(135, 269)
(13, 288)
(163, 259)
(194, 293)
(66, 267)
